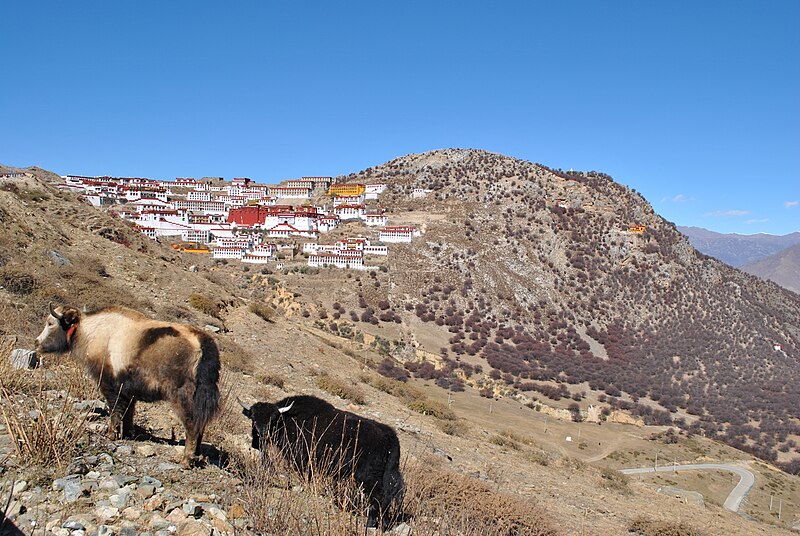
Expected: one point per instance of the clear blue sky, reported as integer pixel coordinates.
(694, 104)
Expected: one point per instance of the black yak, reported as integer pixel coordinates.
(136, 359)
(308, 429)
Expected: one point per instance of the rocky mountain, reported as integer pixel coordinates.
(534, 273)
(526, 297)
(736, 249)
(783, 268)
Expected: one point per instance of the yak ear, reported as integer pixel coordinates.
(245, 409)
(70, 316)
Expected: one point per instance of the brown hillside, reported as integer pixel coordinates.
(519, 317)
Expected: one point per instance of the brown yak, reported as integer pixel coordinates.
(136, 359)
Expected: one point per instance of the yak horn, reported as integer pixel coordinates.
(54, 313)
(244, 407)
(287, 408)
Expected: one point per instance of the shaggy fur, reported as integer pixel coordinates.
(347, 444)
(136, 359)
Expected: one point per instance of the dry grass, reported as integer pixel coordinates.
(436, 502)
(282, 501)
(614, 480)
(442, 502)
(341, 388)
(272, 378)
(37, 408)
(642, 526)
(204, 304)
(413, 398)
(44, 431)
(263, 311)
(234, 357)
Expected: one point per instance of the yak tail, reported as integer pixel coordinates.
(205, 403)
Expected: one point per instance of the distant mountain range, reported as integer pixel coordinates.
(783, 268)
(736, 249)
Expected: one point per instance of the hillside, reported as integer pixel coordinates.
(534, 273)
(530, 300)
(782, 268)
(736, 249)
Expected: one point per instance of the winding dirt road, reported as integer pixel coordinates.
(736, 496)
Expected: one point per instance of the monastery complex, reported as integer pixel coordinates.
(250, 222)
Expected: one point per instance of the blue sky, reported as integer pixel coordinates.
(693, 104)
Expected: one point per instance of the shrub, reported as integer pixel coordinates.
(433, 408)
(271, 378)
(18, 282)
(204, 304)
(341, 389)
(642, 526)
(389, 368)
(262, 310)
(614, 480)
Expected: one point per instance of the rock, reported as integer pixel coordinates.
(193, 268)
(131, 513)
(212, 328)
(147, 480)
(19, 487)
(124, 480)
(105, 530)
(167, 466)
(222, 527)
(24, 359)
(88, 486)
(14, 510)
(194, 527)
(34, 415)
(191, 508)
(159, 523)
(123, 450)
(120, 498)
(403, 529)
(78, 467)
(106, 512)
(153, 503)
(145, 491)
(61, 532)
(93, 475)
(97, 427)
(217, 513)
(58, 258)
(145, 451)
(104, 460)
(132, 531)
(73, 524)
(109, 484)
(176, 516)
(70, 486)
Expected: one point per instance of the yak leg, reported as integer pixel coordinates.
(127, 419)
(194, 433)
(117, 404)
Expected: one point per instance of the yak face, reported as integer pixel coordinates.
(53, 337)
(266, 418)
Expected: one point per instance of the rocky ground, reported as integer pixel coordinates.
(122, 487)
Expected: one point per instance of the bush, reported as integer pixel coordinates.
(18, 282)
(270, 378)
(262, 310)
(433, 408)
(204, 304)
(614, 480)
(341, 389)
(642, 526)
